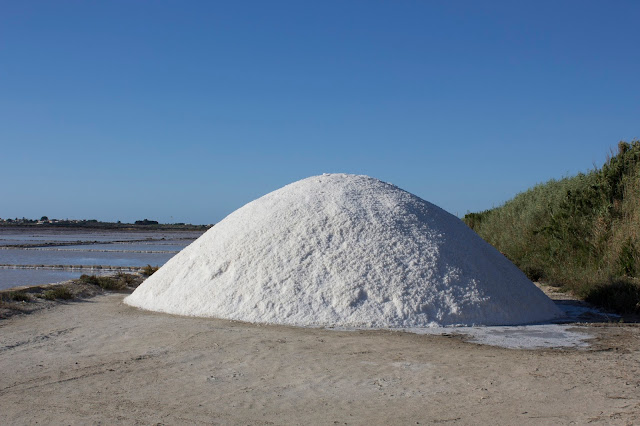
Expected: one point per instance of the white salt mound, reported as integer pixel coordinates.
(346, 251)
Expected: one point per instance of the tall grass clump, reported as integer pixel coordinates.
(580, 232)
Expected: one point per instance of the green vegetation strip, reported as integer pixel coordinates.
(581, 233)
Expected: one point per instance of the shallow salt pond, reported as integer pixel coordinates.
(75, 258)
(29, 277)
(566, 332)
(52, 248)
(518, 337)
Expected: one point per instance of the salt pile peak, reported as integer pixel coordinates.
(348, 251)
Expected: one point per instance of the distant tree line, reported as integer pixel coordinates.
(146, 222)
(44, 221)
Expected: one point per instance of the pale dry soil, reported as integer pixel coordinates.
(99, 361)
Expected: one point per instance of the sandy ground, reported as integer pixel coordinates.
(99, 361)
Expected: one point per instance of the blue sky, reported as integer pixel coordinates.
(183, 111)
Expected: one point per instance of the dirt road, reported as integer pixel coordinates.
(102, 362)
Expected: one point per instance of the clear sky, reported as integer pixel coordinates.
(183, 111)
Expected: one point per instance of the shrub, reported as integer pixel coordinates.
(16, 296)
(19, 296)
(129, 280)
(110, 283)
(89, 279)
(58, 293)
(118, 282)
(106, 283)
(148, 270)
(620, 295)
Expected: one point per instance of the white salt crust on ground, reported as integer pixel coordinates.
(344, 251)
